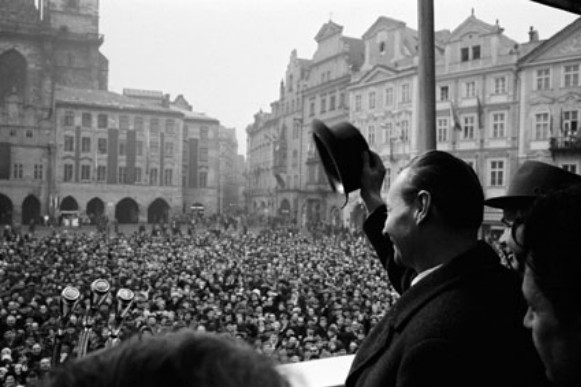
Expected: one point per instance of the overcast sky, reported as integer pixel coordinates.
(227, 57)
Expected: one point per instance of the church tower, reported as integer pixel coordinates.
(74, 27)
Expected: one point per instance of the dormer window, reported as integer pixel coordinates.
(382, 48)
(475, 52)
(465, 54)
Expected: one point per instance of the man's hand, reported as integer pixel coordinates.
(372, 175)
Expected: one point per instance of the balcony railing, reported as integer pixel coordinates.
(568, 143)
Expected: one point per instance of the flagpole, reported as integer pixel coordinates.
(426, 77)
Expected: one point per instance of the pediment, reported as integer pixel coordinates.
(569, 97)
(327, 30)
(565, 43)
(378, 74)
(570, 46)
(473, 26)
(541, 100)
(383, 23)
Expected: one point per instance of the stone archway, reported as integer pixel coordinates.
(31, 210)
(6, 209)
(158, 211)
(95, 209)
(69, 204)
(127, 211)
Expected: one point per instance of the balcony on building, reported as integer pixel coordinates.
(565, 144)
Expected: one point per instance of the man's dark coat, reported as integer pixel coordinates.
(459, 326)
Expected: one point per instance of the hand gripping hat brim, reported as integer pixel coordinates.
(531, 180)
(340, 148)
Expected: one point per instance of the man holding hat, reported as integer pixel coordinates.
(531, 180)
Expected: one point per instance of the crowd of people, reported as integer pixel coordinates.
(275, 288)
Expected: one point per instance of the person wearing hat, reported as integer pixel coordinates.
(458, 320)
(551, 283)
(532, 179)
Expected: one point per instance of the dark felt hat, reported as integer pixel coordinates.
(341, 148)
(531, 180)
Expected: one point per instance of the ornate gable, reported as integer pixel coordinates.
(565, 43)
(327, 30)
(473, 26)
(383, 23)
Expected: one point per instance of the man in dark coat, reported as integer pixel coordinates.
(458, 321)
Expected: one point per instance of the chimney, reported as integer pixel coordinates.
(533, 35)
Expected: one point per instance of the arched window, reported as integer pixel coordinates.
(12, 74)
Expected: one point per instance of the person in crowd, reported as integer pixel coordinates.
(458, 321)
(531, 179)
(179, 359)
(551, 283)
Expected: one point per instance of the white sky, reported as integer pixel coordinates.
(227, 57)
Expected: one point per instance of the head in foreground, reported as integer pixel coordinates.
(179, 359)
(552, 285)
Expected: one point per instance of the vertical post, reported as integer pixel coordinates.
(426, 77)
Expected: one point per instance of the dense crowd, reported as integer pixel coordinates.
(292, 295)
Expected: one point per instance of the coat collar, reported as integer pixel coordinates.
(478, 258)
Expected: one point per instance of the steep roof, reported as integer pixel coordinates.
(552, 44)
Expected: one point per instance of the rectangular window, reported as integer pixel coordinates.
(468, 128)
(122, 148)
(464, 54)
(153, 176)
(29, 133)
(541, 124)
(332, 103)
(203, 154)
(470, 89)
(102, 121)
(496, 173)
(475, 52)
(87, 120)
(85, 172)
(204, 133)
(168, 152)
(342, 100)
(570, 122)
(498, 125)
(312, 109)
(323, 105)
(388, 129)
(405, 93)
(168, 177)
(203, 179)
(154, 126)
(154, 145)
(68, 169)
(405, 129)
(371, 135)
(571, 75)
(500, 85)
(123, 122)
(543, 79)
(372, 101)
(69, 119)
(442, 129)
(138, 123)
(138, 174)
(444, 93)
(389, 96)
(102, 146)
(69, 143)
(139, 148)
(358, 103)
(101, 173)
(38, 171)
(17, 171)
(122, 175)
(170, 126)
(86, 144)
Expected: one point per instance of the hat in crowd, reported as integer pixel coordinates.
(532, 179)
(341, 148)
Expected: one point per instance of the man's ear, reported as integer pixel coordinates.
(423, 205)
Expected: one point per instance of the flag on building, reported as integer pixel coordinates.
(480, 112)
(454, 117)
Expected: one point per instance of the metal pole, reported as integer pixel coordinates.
(426, 77)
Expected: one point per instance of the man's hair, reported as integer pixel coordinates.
(453, 185)
(181, 359)
(552, 232)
